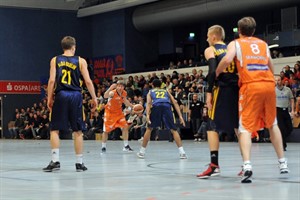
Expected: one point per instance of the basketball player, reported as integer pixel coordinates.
(158, 110)
(113, 114)
(257, 98)
(65, 83)
(221, 97)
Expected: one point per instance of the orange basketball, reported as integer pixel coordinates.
(138, 108)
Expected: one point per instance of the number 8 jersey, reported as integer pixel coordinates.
(252, 56)
(67, 73)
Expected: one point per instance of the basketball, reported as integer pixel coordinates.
(138, 108)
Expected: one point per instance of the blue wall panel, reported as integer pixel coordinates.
(30, 38)
(141, 48)
(108, 34)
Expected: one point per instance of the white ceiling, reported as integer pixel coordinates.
(74, 4)
(44, 4)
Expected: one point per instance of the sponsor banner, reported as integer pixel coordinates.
(20, 87)
(106, 67)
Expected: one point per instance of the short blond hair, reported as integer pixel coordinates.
(218, 31)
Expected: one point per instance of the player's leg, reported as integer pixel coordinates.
(125, 136)
(78, 146)
(178, 141)
(275, 134)
(169, 122)
(147, 135)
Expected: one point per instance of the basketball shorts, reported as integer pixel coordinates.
(224, 113)
(113, 120)
(67, 111)
(257, 106)
(162, 114)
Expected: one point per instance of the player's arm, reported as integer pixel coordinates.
(51, 83)
(127, 103)
(189, 114)
(212, 66)
(109, 93)
(270, 63)
(292, 103)
(148, 107)
(88, 82)
(176, 106)
(227, 59)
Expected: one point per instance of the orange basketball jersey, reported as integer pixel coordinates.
(114, 103)
(252, 56)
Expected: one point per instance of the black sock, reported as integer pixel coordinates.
(214, 158)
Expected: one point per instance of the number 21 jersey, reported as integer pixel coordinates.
(67, 73)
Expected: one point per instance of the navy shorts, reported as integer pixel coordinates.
(225, 110)
(162, 114)
(67, 111)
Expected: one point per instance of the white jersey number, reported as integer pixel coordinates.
(255, 49)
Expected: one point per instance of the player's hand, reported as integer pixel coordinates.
(148, 120)
(209, 101)
(94, 104)
(292, 114)
(182, 122)
(50, 104)
(209, 105)
(113, 86)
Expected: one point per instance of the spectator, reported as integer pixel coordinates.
(297, 71)
(27, 132)
(44, 132)
(195, 114)
(287, 71)
(181, 80)
(172, 66)
(191, 63)
(17, 127)
(141, 82)
(96, 126)
(185, 63)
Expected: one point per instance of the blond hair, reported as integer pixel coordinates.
(218, 31)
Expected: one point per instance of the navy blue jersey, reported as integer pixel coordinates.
(159, 96)
(161, 111)
(229, 75)
(67, 73)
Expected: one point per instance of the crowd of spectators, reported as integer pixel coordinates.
(291, 79)
(31, 122)
(34, 122)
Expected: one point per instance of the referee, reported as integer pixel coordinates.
(284, 99)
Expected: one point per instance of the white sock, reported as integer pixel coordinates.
(281, 160)
(181, 151)
(79, 158)
(143, 150)
(247, 165)
(125, 143)
(103, 145)
(55, 155)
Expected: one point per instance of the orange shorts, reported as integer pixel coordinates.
(113, 121)
(257, 106)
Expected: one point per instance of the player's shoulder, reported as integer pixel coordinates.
(124, 93)
(209, 49)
